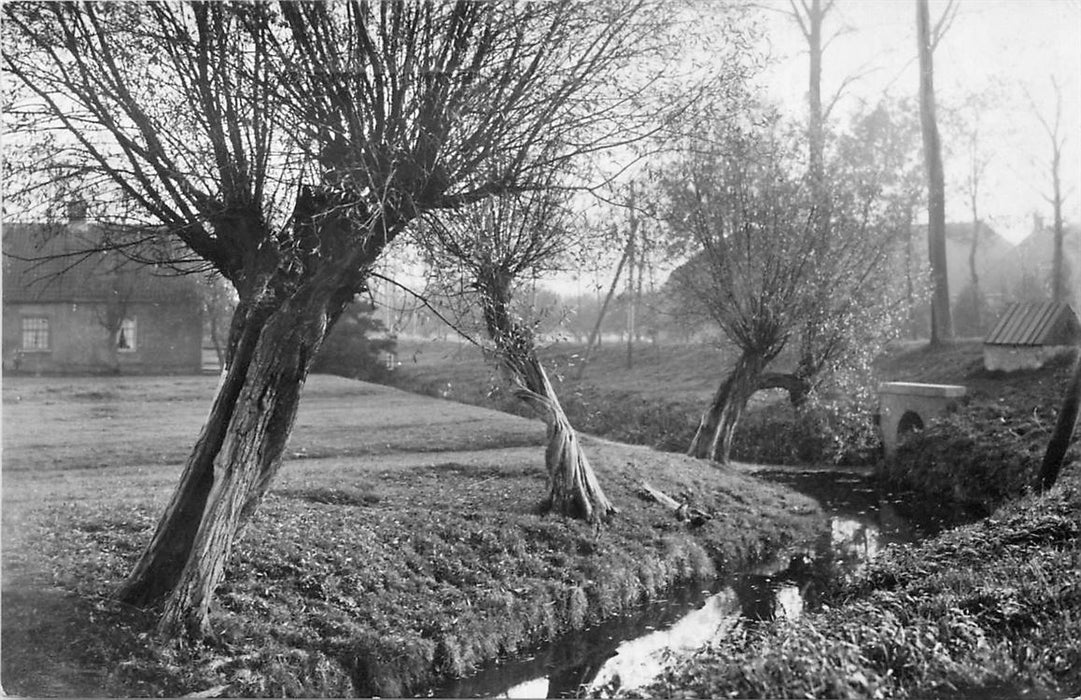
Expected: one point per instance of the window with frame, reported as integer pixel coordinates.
(35, 333)
(126, 336)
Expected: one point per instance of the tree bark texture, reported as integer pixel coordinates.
(573, 488)
(1064, 429)
(249, 458)
(279, 325)
(797, 386)
(717, 427)
(941, 320)
(158, 569)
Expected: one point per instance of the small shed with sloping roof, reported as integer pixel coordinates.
(1029, 334)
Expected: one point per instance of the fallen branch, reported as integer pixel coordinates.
(684, 513)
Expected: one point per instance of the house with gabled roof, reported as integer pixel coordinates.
(70, 311)
(1029, 334)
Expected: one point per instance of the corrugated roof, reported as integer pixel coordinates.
(1034, 323)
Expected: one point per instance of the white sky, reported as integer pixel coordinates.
(1012, 46)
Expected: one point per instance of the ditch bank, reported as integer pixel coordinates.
(631, 650)
(986, 610)
(400, 545)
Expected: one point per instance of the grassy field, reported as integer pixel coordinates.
(399, 545)
(658, 403)
(654, 402)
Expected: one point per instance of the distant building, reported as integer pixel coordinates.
(1029, 334)
(65, 311)
(1008, 272)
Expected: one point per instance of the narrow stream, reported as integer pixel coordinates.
(632, 649)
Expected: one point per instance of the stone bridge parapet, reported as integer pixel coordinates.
(908, 406)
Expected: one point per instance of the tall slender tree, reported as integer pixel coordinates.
(1060, 292)
(286, 145)
(809, 17)
(927, 39)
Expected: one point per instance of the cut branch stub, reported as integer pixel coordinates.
(694, 517)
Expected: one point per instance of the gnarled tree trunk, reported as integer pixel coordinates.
(573, 489)
(797, 386)
(717, 427)
(250, 455)
(277, 330)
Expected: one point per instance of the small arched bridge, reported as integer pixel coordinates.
(909, 406)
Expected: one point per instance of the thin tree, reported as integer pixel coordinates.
(1057, 135)
(809, 18)
(594, 334)
(286, 145)
(492, 248)
(977, 164)
(927, 40)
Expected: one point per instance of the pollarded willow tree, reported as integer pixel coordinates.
(772, 255)
(492, 248)
(286, 145)
(859, 302)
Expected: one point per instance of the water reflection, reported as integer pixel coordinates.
(632, 650)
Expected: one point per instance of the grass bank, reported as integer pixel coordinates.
(991, 609)
(979, 457)
(399, 545)
(991, 449)
(656, 402)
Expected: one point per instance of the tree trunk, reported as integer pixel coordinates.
(816, 126)
(798, 387)
(1064, 429)
(249, 456)
(594, 336)
(284, 315)
(941, 321)
(573, 489)
(1058, 279)
(158, 569)
(717, 427)
(973, 272)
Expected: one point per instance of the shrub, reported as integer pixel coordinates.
(973, 458)
(351, 351)
(820, 434)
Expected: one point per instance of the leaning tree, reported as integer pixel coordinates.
(490, 249)
(772, 257)
(286, 145)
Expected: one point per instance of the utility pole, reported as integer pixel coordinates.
(632, 255)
